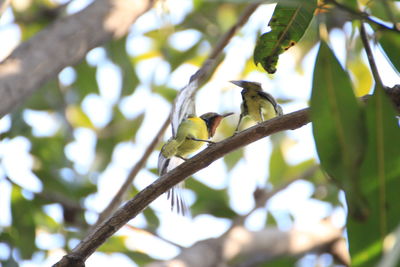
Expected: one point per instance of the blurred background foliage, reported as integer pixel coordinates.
(59, 205)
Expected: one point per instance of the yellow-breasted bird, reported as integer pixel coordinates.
(257, 104)
(190, 136)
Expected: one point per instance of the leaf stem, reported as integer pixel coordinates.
(363, 16)
(370, 56)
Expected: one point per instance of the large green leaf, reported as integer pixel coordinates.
(390, 42)
(288, 24)
(338, 127)
(380, 173)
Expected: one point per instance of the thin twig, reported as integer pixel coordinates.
(267, 195)
(232, 31)
(203, 159)
(370, 56)
(363, 16)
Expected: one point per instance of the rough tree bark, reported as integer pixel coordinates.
(63, 44)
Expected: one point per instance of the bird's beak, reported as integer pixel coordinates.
(227, 114)
(238, 83)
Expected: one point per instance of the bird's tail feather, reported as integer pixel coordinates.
(178, 202)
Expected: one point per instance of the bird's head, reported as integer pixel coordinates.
(212, 120)
(247, 85)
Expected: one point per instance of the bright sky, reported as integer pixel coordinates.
(241, 181)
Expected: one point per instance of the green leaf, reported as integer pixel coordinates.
(116, 244)
(176, 57)
(85, 82)
(118, 130)
(390, 42)
(166, 92)
(277, 166)
(77, 118)
(271, 220)
(48, 151)
(47, 97)
(113, 244)
(384, 10)
(338, 127)
(153, 222)
(380, 173)
(362, 77)
(210, 201)
(233, 158)
(280, 172)
(288, 24)
(352, 4)
(117, 52)
(23, 223)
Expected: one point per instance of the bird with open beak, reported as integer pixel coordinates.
(192, 133)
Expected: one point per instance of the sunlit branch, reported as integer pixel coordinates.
(242, 247)
(63, 43)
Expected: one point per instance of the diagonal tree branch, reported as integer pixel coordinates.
(62, 44)
(119, 197)
(200, 161)
(134, 206)
(202, 75)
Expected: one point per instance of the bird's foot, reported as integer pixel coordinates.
(211, 143)
(185, 159)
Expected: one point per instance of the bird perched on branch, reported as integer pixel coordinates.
(257, 104)
(190, 136)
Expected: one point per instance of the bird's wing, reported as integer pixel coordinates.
(184, 101)
(184, 105)
(271, 99)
